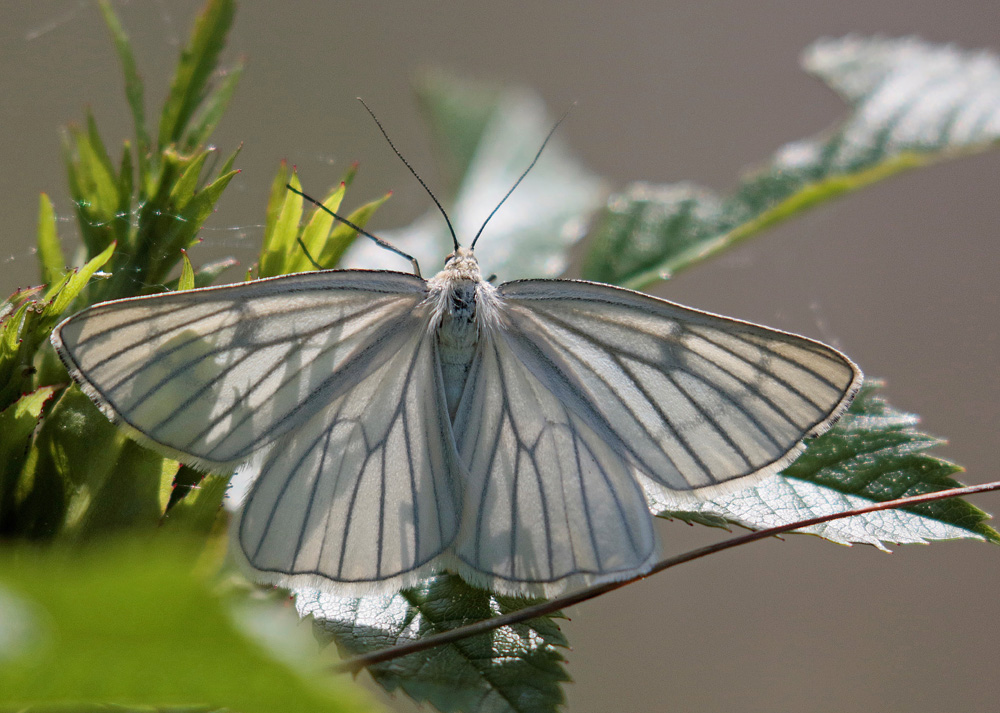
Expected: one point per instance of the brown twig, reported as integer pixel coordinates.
(553, 605)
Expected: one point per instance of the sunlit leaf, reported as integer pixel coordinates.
(282, 228)
(316, 233)
(186, 280)
(50, 254)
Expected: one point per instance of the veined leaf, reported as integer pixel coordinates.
(875, 453)
(912, 103)
(513, 669)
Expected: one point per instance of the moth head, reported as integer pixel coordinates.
(463, 265)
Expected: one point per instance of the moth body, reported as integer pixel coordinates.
(463, 303)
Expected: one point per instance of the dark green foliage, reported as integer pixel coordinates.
(513, 669)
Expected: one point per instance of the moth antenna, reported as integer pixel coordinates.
(472, 246)
(308, 254)
(454, 238)
(388, 246)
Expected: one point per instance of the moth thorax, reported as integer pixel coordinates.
(458, 328)
(453, 293)
(461, 305)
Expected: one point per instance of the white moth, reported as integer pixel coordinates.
(402, 427)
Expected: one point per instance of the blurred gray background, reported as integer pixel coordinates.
(902, 276)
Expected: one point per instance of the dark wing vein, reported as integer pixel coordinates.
(352, 511)
(547, 503)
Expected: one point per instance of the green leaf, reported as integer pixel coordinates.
(197, 63)
(17, 424)
(316, 233)
(227, 166)
(874, 454)
(172, 205)
(196, 503)
(108, 481)
(50, 253)
(96, 160)
(185, 188)
(93, 186)
(194, 214)
(532, 234)
(126, 183)
(15, 301)
(133, 81)
(28, 324)
(164, 232)
(289, 247)
(186, 280)
(912, 103)
(281, 228)
(275, 204)
(61, 298)
(213, 108)
(518, 668)
(131, 624)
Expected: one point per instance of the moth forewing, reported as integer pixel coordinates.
(692, 399)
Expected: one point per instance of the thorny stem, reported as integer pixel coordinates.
(553, 605)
